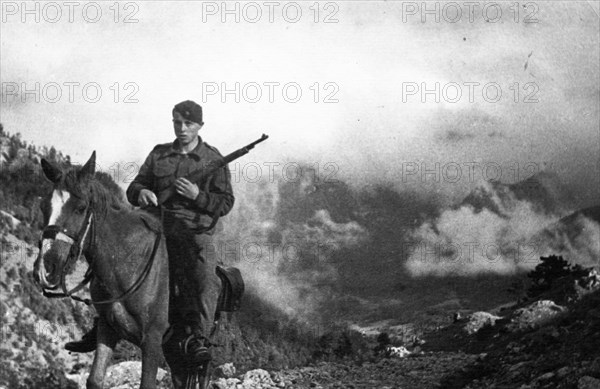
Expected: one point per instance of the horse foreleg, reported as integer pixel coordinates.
(151, 356)
(107, 340)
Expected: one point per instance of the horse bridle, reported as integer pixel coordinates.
(76, 244)
(75, 251)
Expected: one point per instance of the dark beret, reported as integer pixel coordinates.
(189, 111)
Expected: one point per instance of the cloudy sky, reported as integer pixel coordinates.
(337, 82)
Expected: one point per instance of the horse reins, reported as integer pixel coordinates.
(54, 232)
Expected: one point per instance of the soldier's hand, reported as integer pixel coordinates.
(188, 189)
(147, 197)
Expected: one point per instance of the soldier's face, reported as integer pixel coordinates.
(185, 130)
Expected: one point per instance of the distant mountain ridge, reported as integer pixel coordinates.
(576, 235)
(544, 191)
(592, 213)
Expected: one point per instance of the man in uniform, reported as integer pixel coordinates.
(190, 218)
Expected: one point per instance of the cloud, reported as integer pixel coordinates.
(466, 241)
(286, 262)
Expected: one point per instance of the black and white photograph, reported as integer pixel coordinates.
(320, 194)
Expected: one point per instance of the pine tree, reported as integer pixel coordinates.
(551, 269)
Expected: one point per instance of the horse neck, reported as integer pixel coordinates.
(113, 233)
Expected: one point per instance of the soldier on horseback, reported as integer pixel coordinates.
(189, 220)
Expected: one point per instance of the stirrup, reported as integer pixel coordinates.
(196, 349)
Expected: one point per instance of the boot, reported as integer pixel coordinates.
(87, 342)
(195, 345)
(195, 348)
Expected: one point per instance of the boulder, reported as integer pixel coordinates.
(478, 320)
(534, 315)
(257, 379)
(397, 352)
(229, 383)
(226, 370)
(587, 382)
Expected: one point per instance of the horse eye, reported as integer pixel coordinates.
(80, 209)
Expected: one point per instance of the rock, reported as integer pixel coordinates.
(128, 373)
(276, 376)
(588, 382)
(515, 370)
(534, 315)
(546, 377)
(219, 383)
(397, 352)
(562, 372)
(223, 383)
(257, 378)
(122, 375)
(588, 283)
(79, 378)
(226, 370)
(10, 220)
(478, 320)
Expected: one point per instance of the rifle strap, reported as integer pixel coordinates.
(212, 225)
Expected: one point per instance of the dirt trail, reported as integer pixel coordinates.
(425, 371)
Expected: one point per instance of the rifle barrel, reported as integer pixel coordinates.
(211, 168)
(262, 139)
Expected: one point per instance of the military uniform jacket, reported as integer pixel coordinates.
(165, 164)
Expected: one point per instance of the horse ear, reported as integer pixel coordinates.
(89, 168)
(51, 172)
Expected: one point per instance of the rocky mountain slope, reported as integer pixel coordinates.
(535, 344)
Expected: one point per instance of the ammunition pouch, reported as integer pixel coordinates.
(232, 289)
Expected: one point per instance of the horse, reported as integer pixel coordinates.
(127, 264)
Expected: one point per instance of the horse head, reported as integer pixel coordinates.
(67, 217)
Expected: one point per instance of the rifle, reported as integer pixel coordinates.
(212, 167)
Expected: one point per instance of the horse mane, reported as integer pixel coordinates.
(100, 190)
(104, 194)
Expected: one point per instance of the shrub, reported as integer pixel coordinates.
(549, 271)
(341, 343)
(51, 377)
(53, 310)
(383, 340)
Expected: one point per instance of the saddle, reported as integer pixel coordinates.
(230, 296)
(232, 289)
